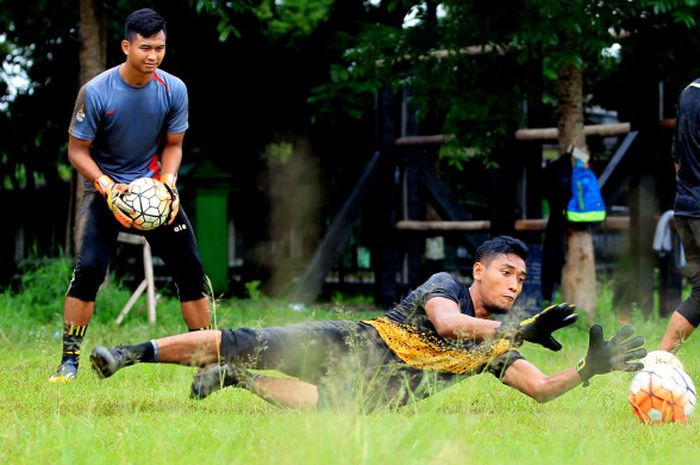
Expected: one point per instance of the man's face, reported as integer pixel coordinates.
(500, 280)
(145, 53)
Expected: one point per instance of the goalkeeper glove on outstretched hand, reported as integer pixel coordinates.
(113, 193)
(617, 354)
(539, 328)
(170, 180)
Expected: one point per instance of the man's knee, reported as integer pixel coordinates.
(239, 346)
(191, 286)
(85, 282)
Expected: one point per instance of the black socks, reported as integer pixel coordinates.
(72, 339)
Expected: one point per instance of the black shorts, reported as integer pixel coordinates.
(347, 360)
(688, 230)
(175, 244)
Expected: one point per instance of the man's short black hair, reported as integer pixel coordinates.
(501, 245)
(145, 21)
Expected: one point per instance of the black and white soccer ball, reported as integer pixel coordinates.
(150, 201)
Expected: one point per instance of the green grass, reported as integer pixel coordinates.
(143, 414)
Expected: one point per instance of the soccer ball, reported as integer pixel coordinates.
(150, 200)
(662, 394)
(661, 357)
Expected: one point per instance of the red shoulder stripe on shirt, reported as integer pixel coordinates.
(161, 81)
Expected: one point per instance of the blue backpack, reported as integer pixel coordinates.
(586, 204)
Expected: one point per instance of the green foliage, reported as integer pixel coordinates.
(280, 20)
(365, 68)
(292, 18)
(339, 54)
(35, 35)
(42, 287)
(252, 288)
(341, 299)
(279, 151)
(223, 11)
(480, 95)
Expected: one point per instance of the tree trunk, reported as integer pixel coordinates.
(570, 106)
(578, 274)
(93, 59)
(93, 39)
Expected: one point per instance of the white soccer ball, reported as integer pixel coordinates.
(150, 200)
(662, 394)
(661, 357)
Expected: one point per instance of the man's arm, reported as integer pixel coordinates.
(617, 354)
(171, 157)
(450, 322)
(170, 161)
(528, 379)
(79, 156)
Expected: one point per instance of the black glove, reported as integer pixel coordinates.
(539, 328)
(616, 354)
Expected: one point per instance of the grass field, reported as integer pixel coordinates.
(143, 414)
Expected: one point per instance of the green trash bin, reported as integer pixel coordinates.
(211, 192)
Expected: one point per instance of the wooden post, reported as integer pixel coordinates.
(382, 214)
(602, 130)
(148, 283)
(532, 150)
(642, 212)
(413, 206)
(383, 210)
(504, 201)
(531, 224)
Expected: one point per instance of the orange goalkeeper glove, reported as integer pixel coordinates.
(170, 180)
(113, 192)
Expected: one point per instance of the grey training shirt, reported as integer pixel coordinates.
(126, 124)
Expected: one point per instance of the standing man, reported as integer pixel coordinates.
(440, 333)
(686, 158)
(129, 122)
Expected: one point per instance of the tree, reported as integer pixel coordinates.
(567, 37)
(308, 70)
(93, 60)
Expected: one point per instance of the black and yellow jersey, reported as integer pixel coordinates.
(411, 336)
